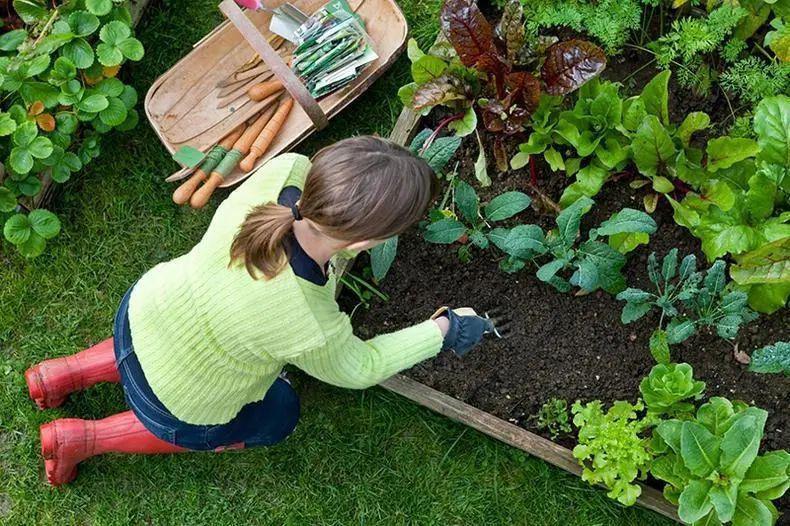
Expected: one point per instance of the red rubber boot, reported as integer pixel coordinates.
(68, 441)
(51, 381)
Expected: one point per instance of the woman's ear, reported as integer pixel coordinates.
(359, 246)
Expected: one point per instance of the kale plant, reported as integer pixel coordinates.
(772, 359)
(553, 417)
(689, 300)
(668, 387)
(612, 447)
(712, 467)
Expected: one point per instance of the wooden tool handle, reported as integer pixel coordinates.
(201, 197)
(184, 192)
(251, 133)
(267, 135)
(263, 89)
(187, 188)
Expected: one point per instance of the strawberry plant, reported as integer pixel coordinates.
(688, 299)
(713, 468)
(58, 75)
(772, 359)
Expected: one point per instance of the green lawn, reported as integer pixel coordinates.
(356, 458)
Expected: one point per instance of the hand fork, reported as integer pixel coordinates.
(501, 324)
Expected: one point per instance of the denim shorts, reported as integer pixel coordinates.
(262, 423)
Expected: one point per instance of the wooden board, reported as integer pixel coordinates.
(189, 87)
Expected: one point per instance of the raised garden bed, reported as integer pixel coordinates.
(572, 347)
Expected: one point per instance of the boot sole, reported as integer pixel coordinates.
(49, 450)
(35, 387)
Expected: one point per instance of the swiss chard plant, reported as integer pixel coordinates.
(743, 207)
(60, 93)
(772, 359)
(687, 300)
(499, 73)
(613, 447)
(713, 469)
(670, 389)
(590, 265)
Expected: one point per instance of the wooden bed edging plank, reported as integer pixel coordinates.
(510, 434)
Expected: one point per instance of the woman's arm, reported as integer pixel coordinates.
(350, 362)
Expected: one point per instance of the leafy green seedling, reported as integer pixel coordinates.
(472, 221)
(689, 299)
(553, 417)
(668, 387)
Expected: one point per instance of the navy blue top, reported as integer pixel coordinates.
(302, 264)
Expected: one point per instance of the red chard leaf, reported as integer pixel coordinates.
(441, 90)
(570, 64)
(467, 29)
(523, 89)
(510, 29)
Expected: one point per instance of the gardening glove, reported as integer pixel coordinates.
(466, 329)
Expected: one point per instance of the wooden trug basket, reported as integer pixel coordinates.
(184, 99)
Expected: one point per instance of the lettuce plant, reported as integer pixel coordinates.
(553, 417)
(742, 207)
(668, 387)
(591, 130)
(713, 469)
(689, 299)
(772, 359)
(612, 448)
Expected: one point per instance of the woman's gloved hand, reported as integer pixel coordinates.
(466, 329)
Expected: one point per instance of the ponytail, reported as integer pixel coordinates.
(260, 241)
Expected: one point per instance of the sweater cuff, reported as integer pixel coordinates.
(409, 346)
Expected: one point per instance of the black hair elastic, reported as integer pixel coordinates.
(295, 213)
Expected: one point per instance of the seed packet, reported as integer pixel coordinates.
(332, 49)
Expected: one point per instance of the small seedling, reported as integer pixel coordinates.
(553, 417)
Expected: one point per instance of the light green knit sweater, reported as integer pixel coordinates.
(210, 339)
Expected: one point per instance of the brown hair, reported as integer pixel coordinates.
(358, 189)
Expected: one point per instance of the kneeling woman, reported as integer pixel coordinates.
(200, 341)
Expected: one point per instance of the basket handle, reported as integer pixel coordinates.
(280, 69)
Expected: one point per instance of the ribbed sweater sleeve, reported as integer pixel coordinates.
(347, 361)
